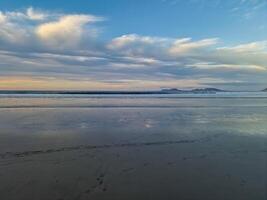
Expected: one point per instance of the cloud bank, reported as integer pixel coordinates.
(48, 50)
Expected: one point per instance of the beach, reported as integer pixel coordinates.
(133, 147)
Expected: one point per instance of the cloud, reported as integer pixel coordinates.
(28, 14)
(181, 46)
(66, 49)
(134, 39)
(252, 47)
(136, 44)
(39, 29)
(10, 32)
(67, 31)
(230, 67)
(2, 18)
(35, 14)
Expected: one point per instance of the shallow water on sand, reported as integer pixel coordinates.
(133, 147)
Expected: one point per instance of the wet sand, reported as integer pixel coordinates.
(191, 150)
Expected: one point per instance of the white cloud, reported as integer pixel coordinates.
(182, 46)
(28, 14)
(140, 46)
(231, 67)
(252, 47)
(38, 29)
(36, 15)
(134, 44)
(12, 33)
(66, 32)
(2, 17)
(134, 39)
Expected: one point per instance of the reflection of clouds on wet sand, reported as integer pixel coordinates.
(149, 123)
(134, 152)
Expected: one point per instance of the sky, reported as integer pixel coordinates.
(133, 44)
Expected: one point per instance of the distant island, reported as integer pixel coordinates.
(198, 91)
(265, 90)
